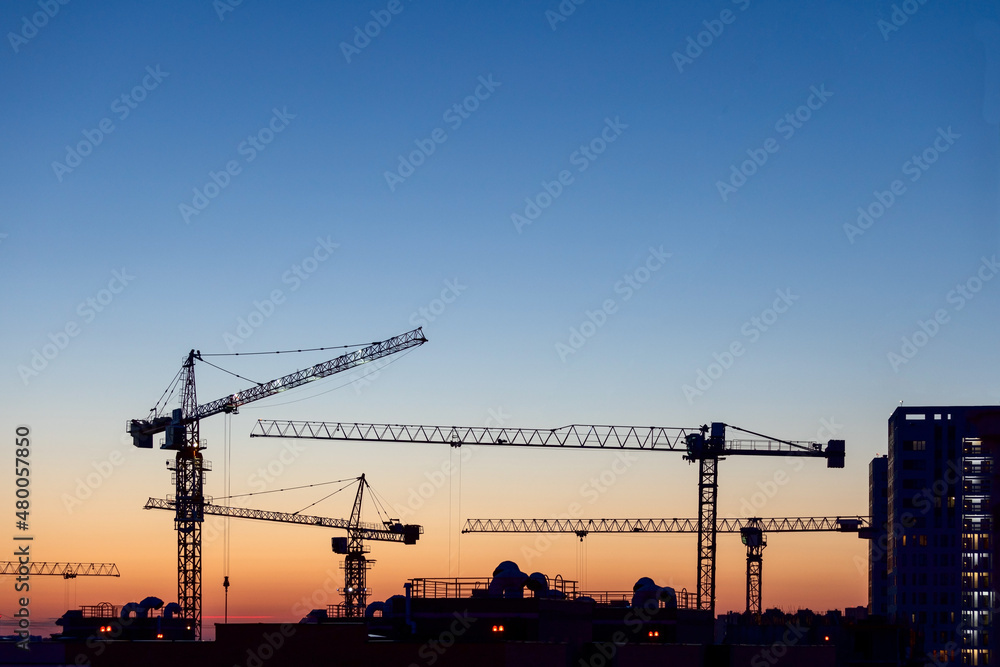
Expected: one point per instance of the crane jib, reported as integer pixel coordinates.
(691, 442)
(143, 430)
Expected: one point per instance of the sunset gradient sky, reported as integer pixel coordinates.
(780, 216)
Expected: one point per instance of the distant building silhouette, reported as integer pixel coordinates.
(938, 530)
(878, 546)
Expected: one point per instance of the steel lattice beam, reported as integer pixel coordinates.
(845, 524)
(367, 531)
(633, 438)
(64, 570)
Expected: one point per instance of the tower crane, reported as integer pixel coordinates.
(64, 570)
(353, 547)
(751, 531)
(705, 445)
(182, 434)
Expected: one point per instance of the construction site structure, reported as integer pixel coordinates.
(61, 569)
(704, 445)
(182, 434)
(353, 546)
(751, 530)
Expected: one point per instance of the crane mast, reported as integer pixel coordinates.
(355, 564)
(182, 434)
(705, 445)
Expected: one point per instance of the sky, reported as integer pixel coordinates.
(781, 216)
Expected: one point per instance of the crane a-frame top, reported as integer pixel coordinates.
(182, 435)
(706, 445)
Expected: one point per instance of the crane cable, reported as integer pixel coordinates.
(458, 573)
(380, 504)
(325, 497)
(227, 485)
(451, 525)
(453, 499)
(231, 373)
(227, 436)
(171, 388)
(311, 349)
(340, 386)
(290, 488)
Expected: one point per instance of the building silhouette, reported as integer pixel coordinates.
(932, 499)
(878, 546)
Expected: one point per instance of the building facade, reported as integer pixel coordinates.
(939, 476)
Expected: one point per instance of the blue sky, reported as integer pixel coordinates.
(517, 293)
